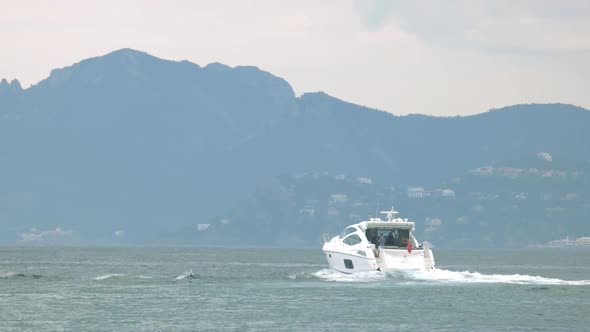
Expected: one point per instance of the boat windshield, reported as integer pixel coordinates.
(352, 240)
(347, 231)
(393, 237)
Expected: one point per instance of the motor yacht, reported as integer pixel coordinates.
(378, 244)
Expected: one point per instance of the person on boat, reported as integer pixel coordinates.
(381, 240)
(374, 239)
(376, 248)
(390, 239)
(380, 243)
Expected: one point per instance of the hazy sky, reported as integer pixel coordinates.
(434, 57)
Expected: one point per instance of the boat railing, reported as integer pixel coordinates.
(327, 237)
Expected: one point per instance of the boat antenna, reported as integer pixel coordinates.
(377, 209)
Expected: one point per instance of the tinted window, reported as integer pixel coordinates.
(352, 240)
(393, 237)
(348, 264)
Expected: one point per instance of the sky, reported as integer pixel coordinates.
(432, 57)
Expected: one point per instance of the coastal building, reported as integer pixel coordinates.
(416, 192)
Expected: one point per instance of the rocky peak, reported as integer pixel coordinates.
(15, 85)
(10, 88)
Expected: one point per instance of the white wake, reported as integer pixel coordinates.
(446, 276)
(443, 277)
(332, 275)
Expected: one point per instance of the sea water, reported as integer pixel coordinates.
(220, 289)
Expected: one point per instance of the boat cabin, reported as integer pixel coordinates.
(394, 238)
(397, 231)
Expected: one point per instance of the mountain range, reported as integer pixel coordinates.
(127, 148)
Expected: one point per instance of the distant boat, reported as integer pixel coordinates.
(566, 242)
(355, 249)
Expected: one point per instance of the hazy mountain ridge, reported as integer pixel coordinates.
(525, 202)
(131, 142)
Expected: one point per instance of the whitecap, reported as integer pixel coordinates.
(13, 275)
(9, 275)
(109, 276)
(187, 275)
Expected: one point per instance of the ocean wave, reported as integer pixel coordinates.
(109, 276)
(189, 275)
(437, 277)
(119, 276)
(272, 264)
(15, 275)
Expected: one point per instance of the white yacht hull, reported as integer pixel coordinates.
(400, 259)
(336, 260)
(390, 259)
(354, 249)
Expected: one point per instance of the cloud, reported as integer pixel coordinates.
(375, 13)
(37, 235)
(528, 25)
(436, 57)
(298, 19)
